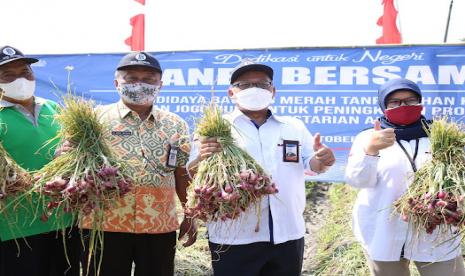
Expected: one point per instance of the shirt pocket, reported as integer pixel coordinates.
(155, 155)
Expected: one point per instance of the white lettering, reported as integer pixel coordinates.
(295, 75)
(195, 76)
(322, 75)
(349, 73)
(421, 74)
(173, 76)
(385, 73)
(448, 74)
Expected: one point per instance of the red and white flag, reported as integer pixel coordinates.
(136, 40)
(387, 21)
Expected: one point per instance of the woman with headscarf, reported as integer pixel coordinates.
(382, 163)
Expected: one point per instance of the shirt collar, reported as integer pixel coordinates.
(4, 103)
(124, 110)
(37, 101)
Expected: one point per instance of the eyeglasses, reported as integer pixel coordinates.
(246, 85)
(397, 102)
(144, 80)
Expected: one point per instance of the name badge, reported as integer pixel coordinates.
(291, 151)
(122, 133)
(172, 156)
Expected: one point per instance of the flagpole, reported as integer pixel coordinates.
(448, 20)
(400, 22)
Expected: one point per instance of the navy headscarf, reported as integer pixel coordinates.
(409, 132)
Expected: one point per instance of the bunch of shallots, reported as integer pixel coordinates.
(435, 198)
(91, 191)
(435, 210)
(227, 182)
(87, 179)
(13, 179)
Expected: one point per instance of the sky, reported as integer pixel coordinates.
(101, 26)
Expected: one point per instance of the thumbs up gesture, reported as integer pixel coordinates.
(317, 142)
(380, 139)
(323, 154)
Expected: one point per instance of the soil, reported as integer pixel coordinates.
(316, 211)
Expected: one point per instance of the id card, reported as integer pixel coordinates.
(172, 156)
(121, 133)
(291, 151)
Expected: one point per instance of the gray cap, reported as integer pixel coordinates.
(9, 54)
(139, 59)
(247, 65)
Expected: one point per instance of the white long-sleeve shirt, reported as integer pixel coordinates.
(382, 180)
(287, 206)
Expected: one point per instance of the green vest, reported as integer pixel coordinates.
(25, 143)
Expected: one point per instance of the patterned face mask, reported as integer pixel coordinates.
(138, 93)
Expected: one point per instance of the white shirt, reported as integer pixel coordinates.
(287, 206)
(382, 180)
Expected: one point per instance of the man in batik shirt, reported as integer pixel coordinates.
(155, 144)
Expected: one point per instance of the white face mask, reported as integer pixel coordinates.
(138, 93)
(253, 98)
(20, 89)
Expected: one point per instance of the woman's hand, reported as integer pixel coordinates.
(380, 139)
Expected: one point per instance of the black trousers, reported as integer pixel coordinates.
(41, 255)
(152, 254)
(258, 259)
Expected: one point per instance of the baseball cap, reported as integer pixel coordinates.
(248, 65)
(139, 59)
(394, 85)
(9, 54)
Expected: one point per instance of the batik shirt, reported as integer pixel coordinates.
(145, 145)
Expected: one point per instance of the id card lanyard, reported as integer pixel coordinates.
(411, 159)
(414, 167)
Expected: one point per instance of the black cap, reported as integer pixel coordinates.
(248, 65)
(394, 85)
(139, 59)
(9, 54)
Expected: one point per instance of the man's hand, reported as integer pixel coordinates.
(322, 153)
(189, 227)
(380, 139)
(323, 158)
(208, 146)
(64, 148)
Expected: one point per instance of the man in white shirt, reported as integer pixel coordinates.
(285, 149)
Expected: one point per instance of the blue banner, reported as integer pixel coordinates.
(333, 90)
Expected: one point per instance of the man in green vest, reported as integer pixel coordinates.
(30, 245)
